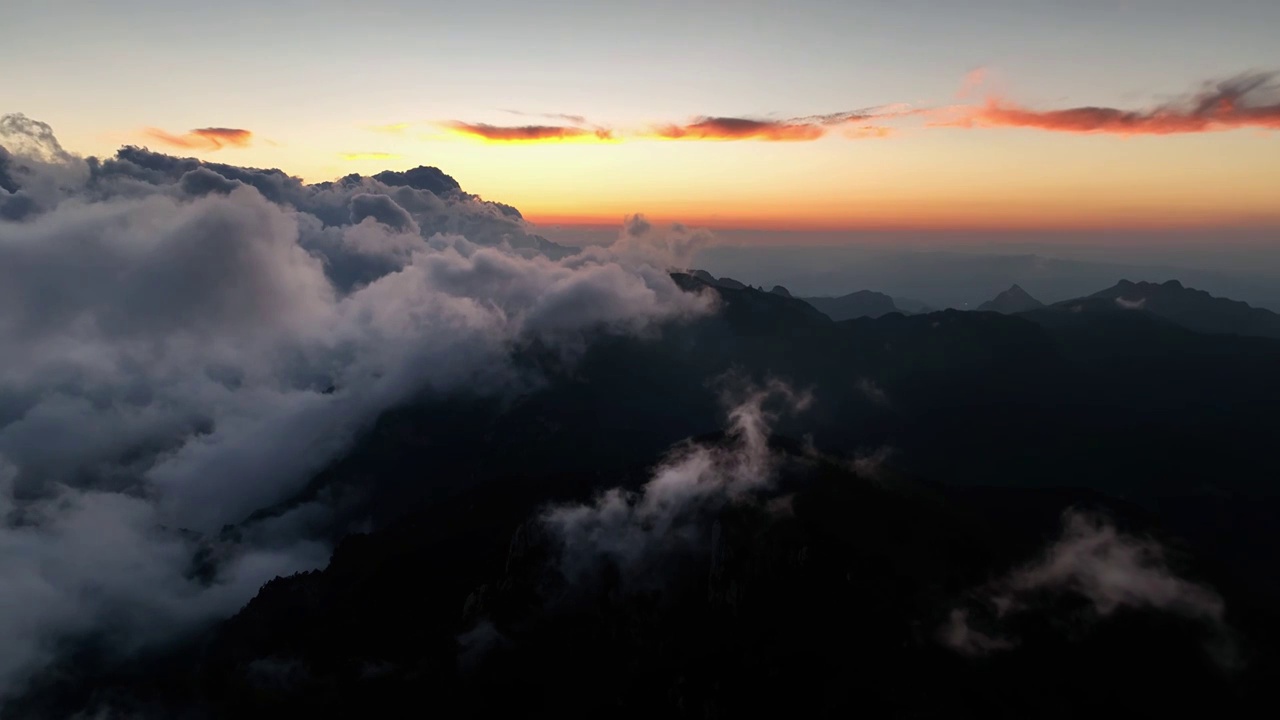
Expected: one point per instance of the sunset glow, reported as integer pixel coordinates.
(988, 137)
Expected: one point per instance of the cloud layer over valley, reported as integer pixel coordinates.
(186, 342)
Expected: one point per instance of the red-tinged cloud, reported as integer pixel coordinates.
(865, 132)
(212, 138)
(973, 80)
(801, 129)
(529, 133)
(1247, 101)
(727, 128)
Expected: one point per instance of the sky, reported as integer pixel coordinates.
(806, 115)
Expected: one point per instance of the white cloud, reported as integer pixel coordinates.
(178, 350)
(630, 529)
(1108, 568)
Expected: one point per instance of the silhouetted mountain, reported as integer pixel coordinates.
(863, 303)
(779, 290)
(827, 596)
(1013, 300)
(970, 277)
(912, 306)
(1190, 308)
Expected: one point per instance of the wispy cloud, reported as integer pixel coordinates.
(369, 156)
(392, 128)
(1246, 101)
(1250, 100)
(861, 124)
(528, 133)
(1094, 561)
(210, 138)
(854, 124)
(564, 117)
(731, 128)
(973, 80)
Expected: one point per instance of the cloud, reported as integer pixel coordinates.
(1112, 570)
(972, 80)
(392, 128)
(31, 139)
(212, 138)
(867, 132)
(1107, 568)
(188, 342)
(873, 391)
(1246, 101)
(528, 133)
(674, 246)
(1127, 304)
(872, 465)
(566, 117)
(957, 634)
(810, 127)
(856, 124)
(632, 530)
(730, 128)
(360, 156)
(383, 209)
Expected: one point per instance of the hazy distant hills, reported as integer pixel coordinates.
(1013, 300)
(1193, 309)
(964, 280)
(1170, 301)
(863, 303)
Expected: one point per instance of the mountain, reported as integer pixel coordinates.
(932, 459)
(724, 282)
(1013, 300)
(863, 303)
(969, 277)
(1193, 309)
(912, 306)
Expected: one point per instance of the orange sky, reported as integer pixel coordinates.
(826, 135)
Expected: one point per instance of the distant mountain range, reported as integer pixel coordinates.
(1170, 301)
(964, 280)
(1193, 309)
(863, 303)
(1013, 300)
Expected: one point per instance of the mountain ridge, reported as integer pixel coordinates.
(1013, 300)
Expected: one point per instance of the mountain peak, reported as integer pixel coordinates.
(1013, 300)
(1193, 309)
